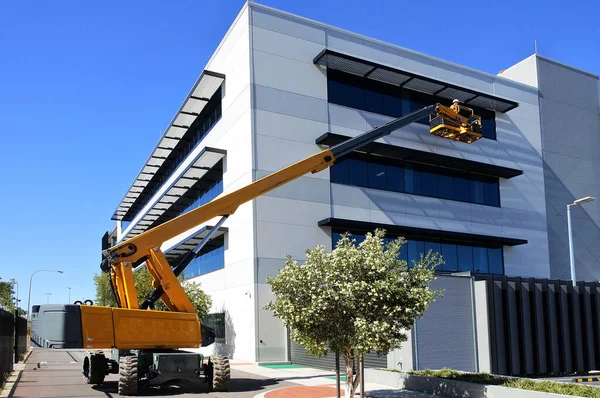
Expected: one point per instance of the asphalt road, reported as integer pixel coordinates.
(57, 373)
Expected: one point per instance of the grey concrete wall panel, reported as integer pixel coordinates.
(452, 346)
(569, 107)
(287, 103)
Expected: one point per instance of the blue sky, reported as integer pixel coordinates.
(86, 89)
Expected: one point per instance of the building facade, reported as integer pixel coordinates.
(280, 87)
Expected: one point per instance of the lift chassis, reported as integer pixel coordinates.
(144, 368)
(146, 343)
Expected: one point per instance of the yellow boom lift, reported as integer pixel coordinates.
(145, 343)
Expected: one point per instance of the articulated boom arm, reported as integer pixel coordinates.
(120, 260)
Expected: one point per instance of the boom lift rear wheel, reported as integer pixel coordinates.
(128, 375)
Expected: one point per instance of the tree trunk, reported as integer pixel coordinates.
(351, 381)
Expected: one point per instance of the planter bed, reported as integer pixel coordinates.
(454, 384)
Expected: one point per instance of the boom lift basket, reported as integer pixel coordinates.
(463, 126)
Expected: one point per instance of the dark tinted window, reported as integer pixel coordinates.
(480, 260)
(476, 191)
(450, 257)
(377, 177)
(461, 189)
(495, 261)
(395, 178)
(456, 257)
(415, 249)
(446, 186)
(491, 193)
(429, 184)
(412, 179)
(358, 173)
(339, 172)
(370, 95)
(465, 258)
(417, 179)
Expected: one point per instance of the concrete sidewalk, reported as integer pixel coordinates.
(57, 373)
(317, 383)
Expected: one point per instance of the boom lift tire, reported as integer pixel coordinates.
(94, 367)
(221, 373)
(128, 375)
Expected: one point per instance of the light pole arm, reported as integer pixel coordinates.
(29, 295)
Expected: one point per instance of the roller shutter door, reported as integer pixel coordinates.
(299, 356)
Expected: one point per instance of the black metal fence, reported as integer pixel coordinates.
(540, 326)
(13, 339)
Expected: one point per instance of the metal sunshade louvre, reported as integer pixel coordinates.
(185, 182)
(194, 105)
(175, 191)
(388, 76)
(452, 93)
(154, 161)
(208, 84)
(175, 132)
(354, 65)
(205, 87)
(162, 206)
(209, 157)
(489, 103)
(344, 64)
(195, 172)
(168, 143)
(183, 119)
(155, 212)
(423, 85)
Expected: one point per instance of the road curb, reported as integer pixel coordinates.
(14, 378)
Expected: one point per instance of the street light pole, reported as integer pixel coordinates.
(48, 297)
(29, 296)
(581, 201)
(69, 295)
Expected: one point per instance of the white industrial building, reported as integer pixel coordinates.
(281, 87)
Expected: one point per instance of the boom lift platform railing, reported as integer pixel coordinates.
(144, 341)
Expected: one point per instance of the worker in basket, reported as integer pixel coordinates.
(455, 107)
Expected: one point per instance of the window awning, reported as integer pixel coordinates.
(367, 69)
(432, 235)
(416, 156)
(188, 178)
(173, 253)
(206, 85)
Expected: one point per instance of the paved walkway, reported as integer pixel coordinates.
(57, 373)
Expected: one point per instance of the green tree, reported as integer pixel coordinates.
(353, 299)
(143, 285)
(7, 291)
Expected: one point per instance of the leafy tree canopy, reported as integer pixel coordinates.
(354, 299)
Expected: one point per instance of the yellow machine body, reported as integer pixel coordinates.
(106, 327)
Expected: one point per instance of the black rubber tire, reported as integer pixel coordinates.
(94, 368)
(128, 375)
(221, 373)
